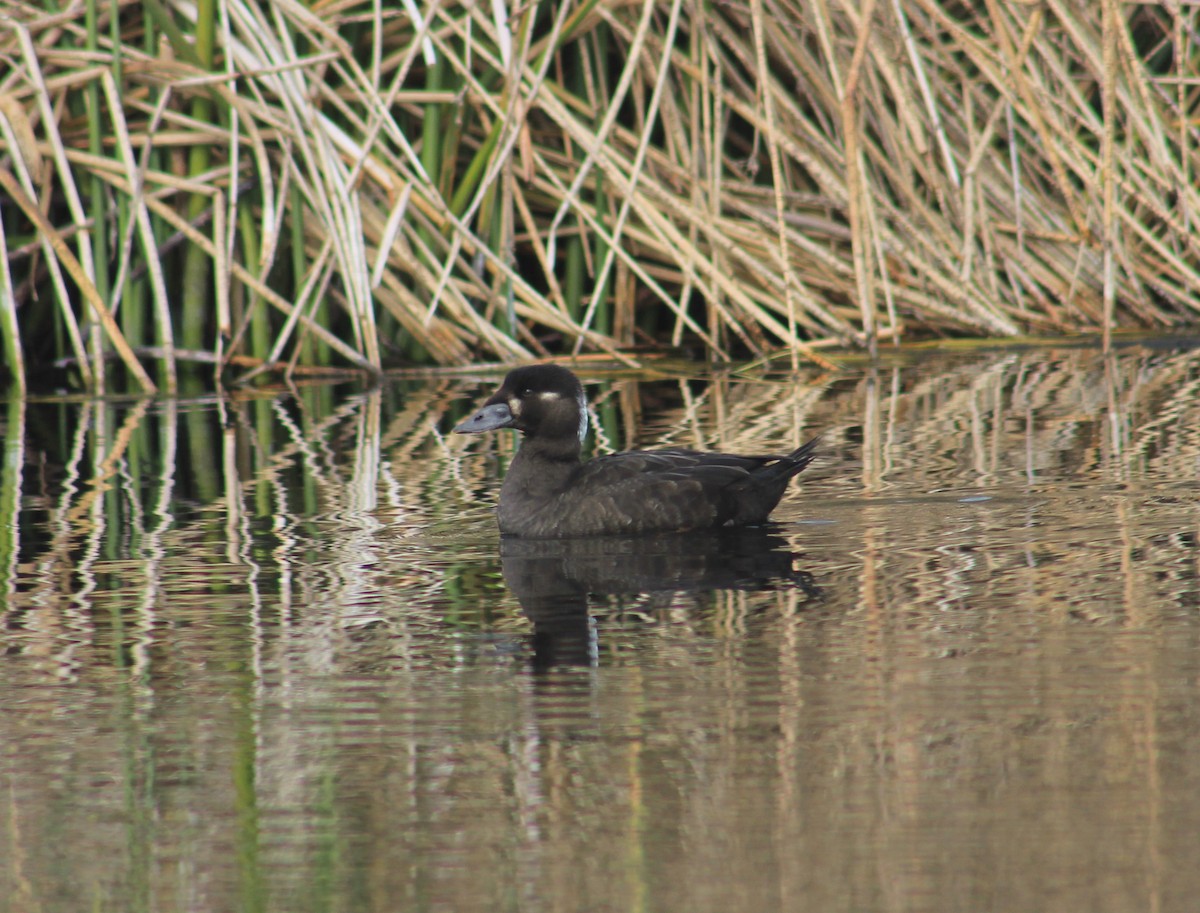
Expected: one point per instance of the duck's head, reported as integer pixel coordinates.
(541, 401)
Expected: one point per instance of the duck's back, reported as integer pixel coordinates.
(643, 491)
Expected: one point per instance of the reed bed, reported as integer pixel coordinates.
(292, 187)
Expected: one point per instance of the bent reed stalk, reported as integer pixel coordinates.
(349, 185)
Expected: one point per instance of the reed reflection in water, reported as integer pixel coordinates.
(269, 653)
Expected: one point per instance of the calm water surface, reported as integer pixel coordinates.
(269, 653)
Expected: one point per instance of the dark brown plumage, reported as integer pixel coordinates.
(549, 493)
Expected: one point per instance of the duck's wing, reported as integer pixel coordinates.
(643, 490)
(645, 470)
(669, 462)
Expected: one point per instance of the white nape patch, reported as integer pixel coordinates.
(583, 416)
(515, 406)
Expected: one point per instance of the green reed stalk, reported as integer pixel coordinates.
(260, 317)
(312, 350)
(439, 145)
(135, 296)
(10, 329)
(197, 271)
(132, 311)
(131, 308)
(431, 125)
(576, 265)
(602, 320)
(475, 170)
(431, 161)
(576, 276)
(97, 198)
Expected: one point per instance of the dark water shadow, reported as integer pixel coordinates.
(553, 579)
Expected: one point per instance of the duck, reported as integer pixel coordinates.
(550, 492)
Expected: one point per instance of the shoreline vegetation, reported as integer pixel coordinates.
(238, 188)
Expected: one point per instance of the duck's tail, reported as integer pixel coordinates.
(761, 491)
(786, 467)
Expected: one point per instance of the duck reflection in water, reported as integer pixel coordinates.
(553, 578)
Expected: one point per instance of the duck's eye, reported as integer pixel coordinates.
(525, 391)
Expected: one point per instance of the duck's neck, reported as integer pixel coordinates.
(536, 480)
(565, 450)
(543, 464)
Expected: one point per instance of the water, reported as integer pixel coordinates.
(269, 653)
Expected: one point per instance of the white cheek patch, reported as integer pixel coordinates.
(514, 406)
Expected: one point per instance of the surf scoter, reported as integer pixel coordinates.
(549, 493)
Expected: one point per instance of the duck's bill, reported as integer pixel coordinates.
(489, 418)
